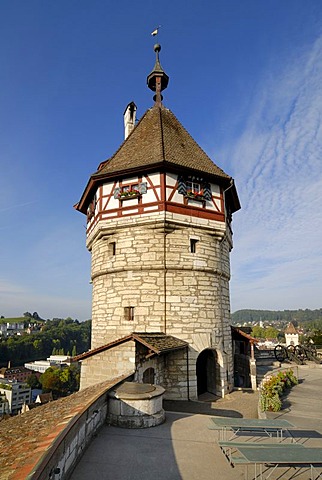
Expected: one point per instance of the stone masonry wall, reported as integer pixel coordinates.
(119, 360)
(171, 372)
(159, 276)
(172, 289)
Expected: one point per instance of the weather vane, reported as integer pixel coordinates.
(155, 31)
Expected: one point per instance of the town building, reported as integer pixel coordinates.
(16, 393)
(4, 405)
(52, 361)
(159, 229)
(20, 374)
(291, 335)
(43, 398)
(8, 329)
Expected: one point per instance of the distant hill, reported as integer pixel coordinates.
(26, 317)
(301, 316)
(21, 320)
(14, 320)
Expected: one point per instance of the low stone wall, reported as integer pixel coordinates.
(46, 442)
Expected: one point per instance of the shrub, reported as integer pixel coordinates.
(273, 387)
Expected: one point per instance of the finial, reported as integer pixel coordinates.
(157, 80)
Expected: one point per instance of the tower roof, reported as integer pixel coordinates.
(158, 141)
(159, 138)
(290, 329)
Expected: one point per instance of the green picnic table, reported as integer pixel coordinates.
(237, 425)
(289, 455)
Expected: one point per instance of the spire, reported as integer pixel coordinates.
(158, 79)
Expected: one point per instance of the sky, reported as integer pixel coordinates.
(245, 81)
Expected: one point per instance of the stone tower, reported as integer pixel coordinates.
(159, 217)
(291, 335)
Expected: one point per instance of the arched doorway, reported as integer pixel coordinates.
(207, 370)
(148, 375)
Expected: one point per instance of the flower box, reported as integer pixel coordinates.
(129, 194)
(195, 195)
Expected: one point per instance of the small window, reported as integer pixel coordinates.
(193, 187)
(193, 245)
(134, 188)
(112, 248)
(129, 314)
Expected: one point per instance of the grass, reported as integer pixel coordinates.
(14, 320)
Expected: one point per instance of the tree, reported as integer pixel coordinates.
(74, 378)
(56, 335)
(271, 332)
(50, 381)
(33, 381)
(317, 337)
(38, 345)
(258, 332)
(261, 332)
(61, 381)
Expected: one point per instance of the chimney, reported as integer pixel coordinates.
(129, 119)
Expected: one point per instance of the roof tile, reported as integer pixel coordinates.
(159, 138)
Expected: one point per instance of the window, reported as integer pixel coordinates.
(131, 188)
(193, 245)
(128, 191)
(193, 187)
(129, 313)
(112, 248)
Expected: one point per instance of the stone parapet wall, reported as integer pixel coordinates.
(47, 441)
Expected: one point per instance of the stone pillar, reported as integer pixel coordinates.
(253, 380)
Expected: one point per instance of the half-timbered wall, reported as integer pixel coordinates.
(160, 192)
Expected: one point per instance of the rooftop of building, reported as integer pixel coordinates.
(185, 448)
(157, 343)
(158, 141)
(290, 329)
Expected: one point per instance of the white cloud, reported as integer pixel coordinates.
(277, 259)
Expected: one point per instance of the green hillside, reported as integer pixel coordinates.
(14, 320)
(301, 316)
